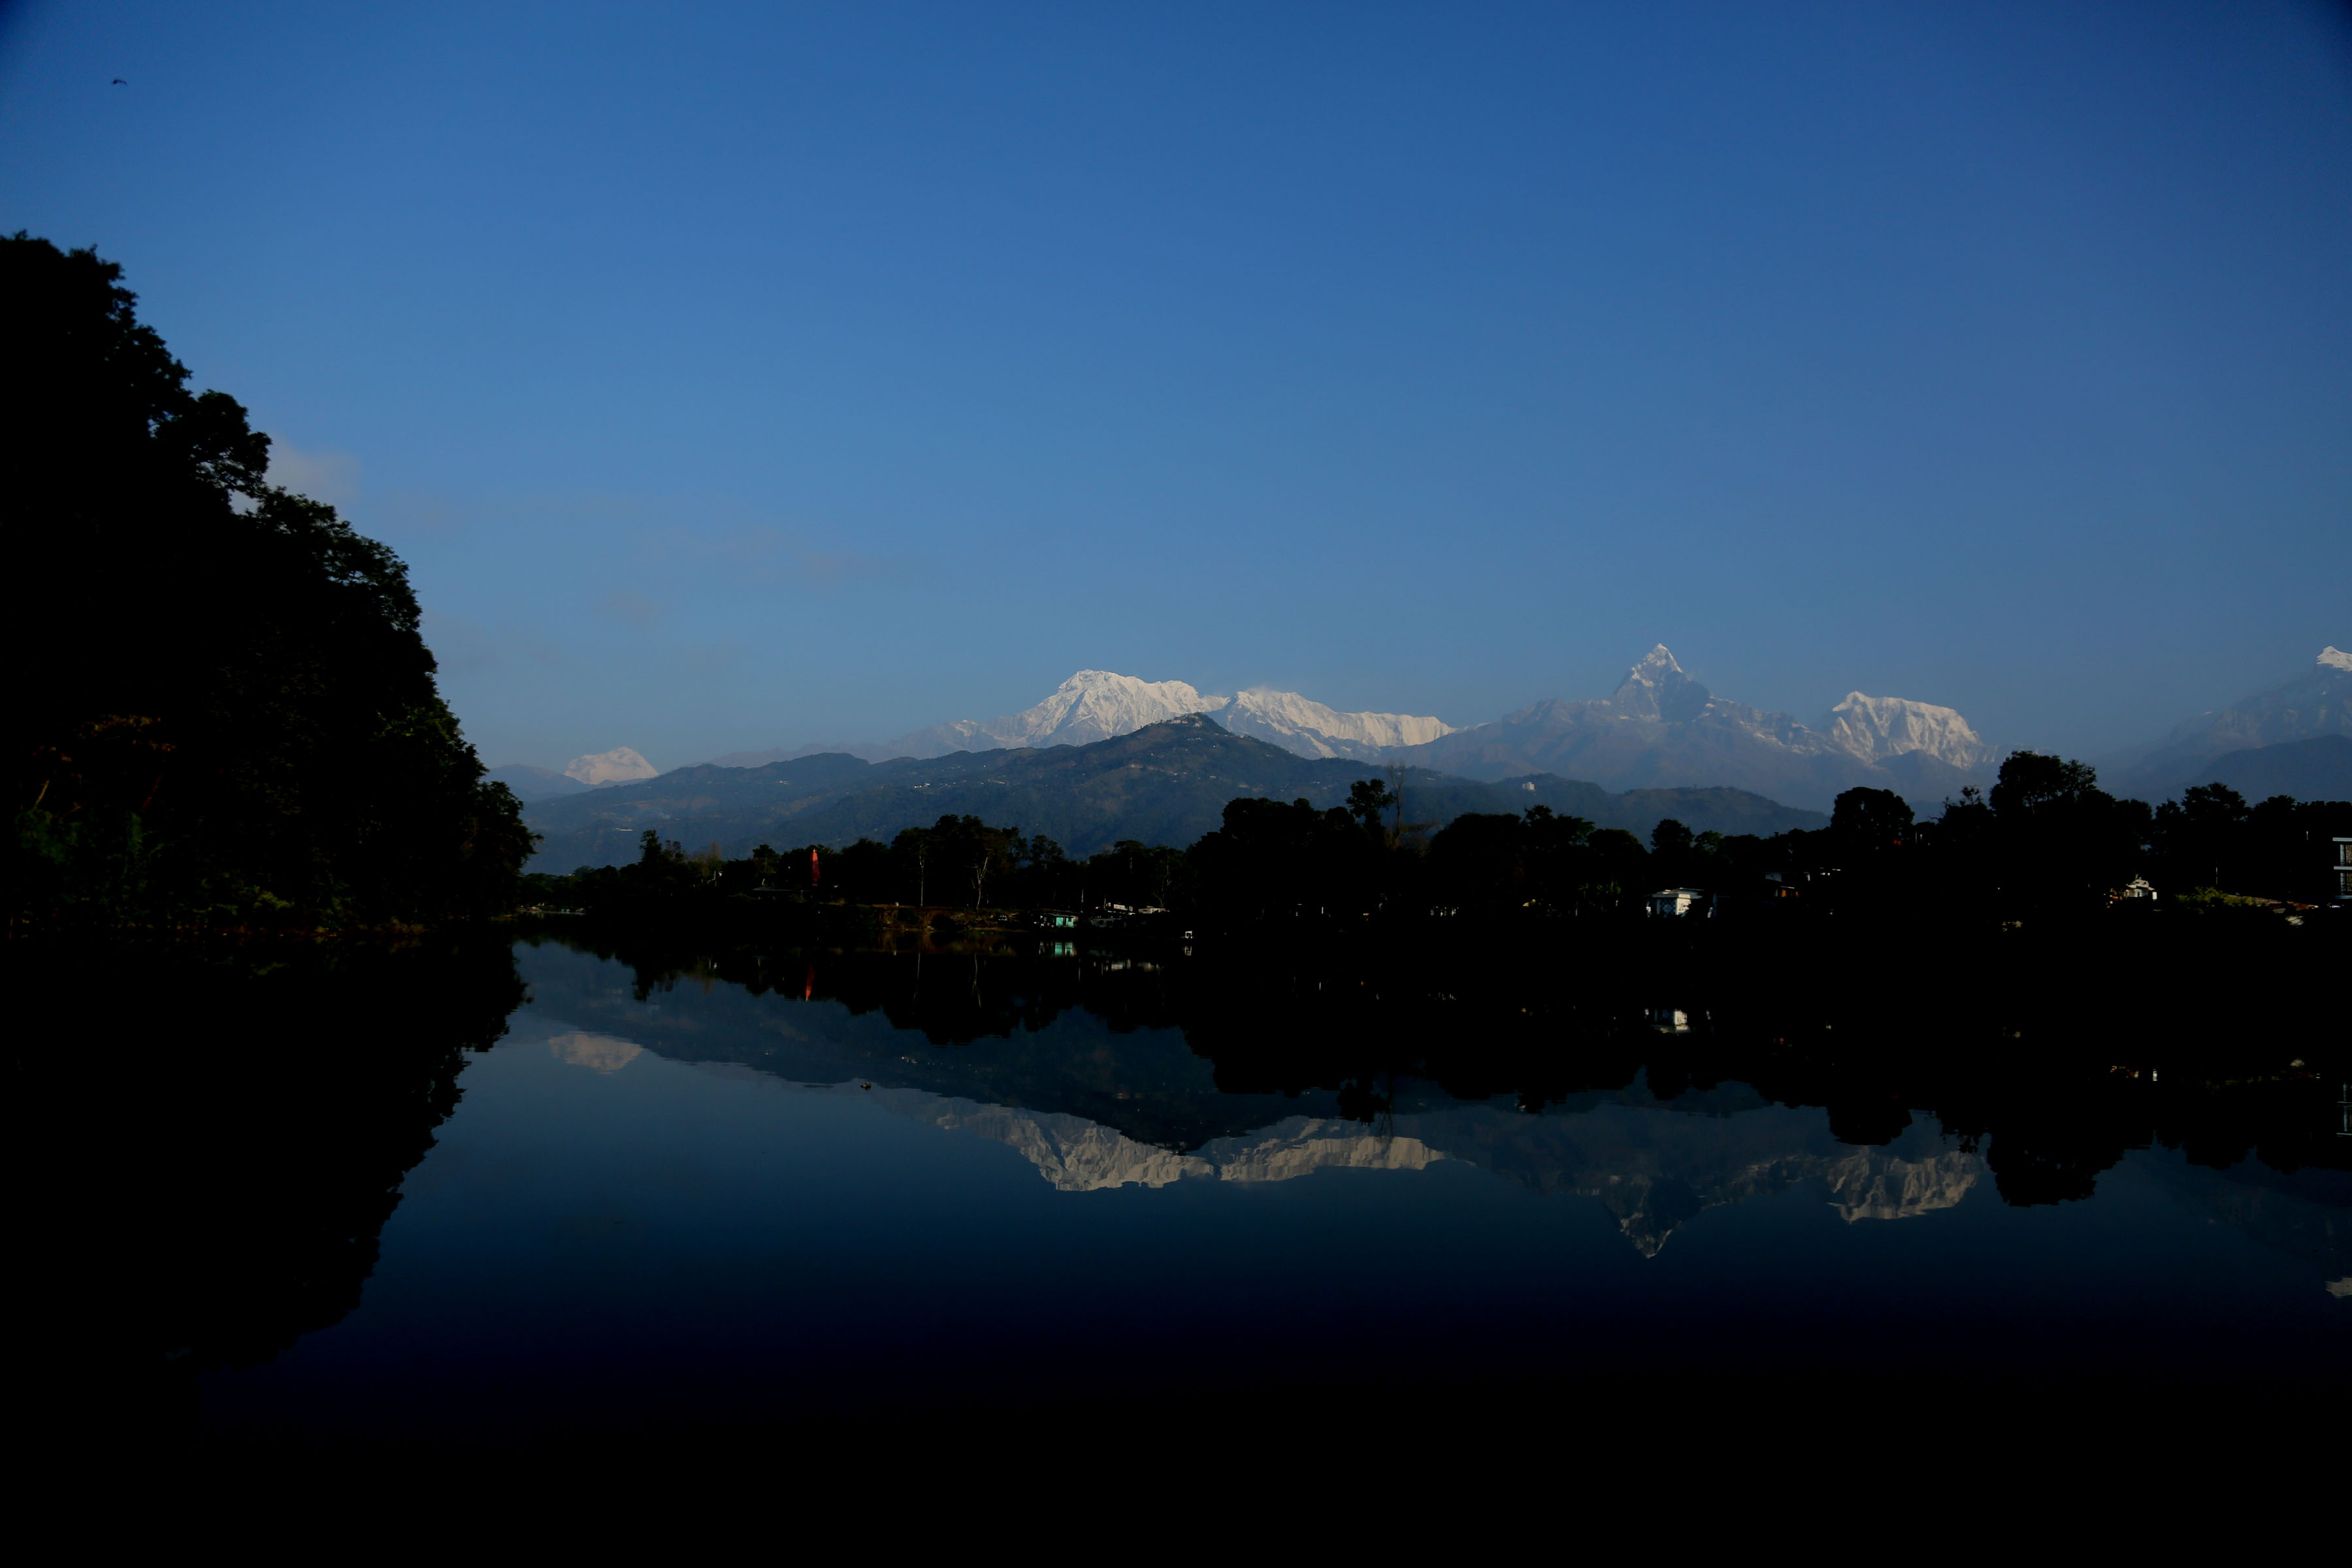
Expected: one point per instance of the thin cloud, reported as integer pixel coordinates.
(322, 475)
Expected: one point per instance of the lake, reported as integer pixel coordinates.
(451, 1194)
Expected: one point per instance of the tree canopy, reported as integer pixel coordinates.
(230, 714)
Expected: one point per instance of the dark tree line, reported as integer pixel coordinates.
(2046, 842)
(228, 715)
(959, 862)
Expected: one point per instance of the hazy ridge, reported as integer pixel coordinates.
(1167, 784)
(1660, 730)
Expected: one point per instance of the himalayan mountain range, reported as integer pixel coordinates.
(1662, 742)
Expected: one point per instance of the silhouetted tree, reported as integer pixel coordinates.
(912, 849)
(226, 711)
(2060, 844)
(1870, 821)
(1271, 860)
(2197, 838)
(1369, 802)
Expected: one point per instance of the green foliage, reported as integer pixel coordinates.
(2212, 902)
(229, 714)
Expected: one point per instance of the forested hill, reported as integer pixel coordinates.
(1167, 784)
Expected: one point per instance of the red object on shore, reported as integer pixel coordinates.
(812, 865)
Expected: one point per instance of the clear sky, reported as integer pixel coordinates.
(738, 376)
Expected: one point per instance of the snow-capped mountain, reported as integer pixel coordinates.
(1092, 705)
(619, 765)
(1306, 726)
(1658, 688)
(1663, 729)
(1877, 728)
(1660, 729)
(2315, 704)
(1098, 704)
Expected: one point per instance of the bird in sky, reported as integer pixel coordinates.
(120, 82)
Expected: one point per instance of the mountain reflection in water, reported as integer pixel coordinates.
(1651, 1171)
(1109, 1073)
(699, 1183)
(1116, 1072)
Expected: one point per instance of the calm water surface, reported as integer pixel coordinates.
(665, 1199)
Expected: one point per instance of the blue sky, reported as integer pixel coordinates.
(736, 377)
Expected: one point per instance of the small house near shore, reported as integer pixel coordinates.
(1680, 903)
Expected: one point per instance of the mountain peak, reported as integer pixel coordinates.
(1659, 658)
(1658, 688)
(1308, 727)
(1098, 681)
(620, 765)
(1877, 728)
(2316, 703)
(1096, 704)
(1091, 705)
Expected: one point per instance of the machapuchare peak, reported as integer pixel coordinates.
(1658, 688)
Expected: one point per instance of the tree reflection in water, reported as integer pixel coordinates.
(223, 1130)
(2052, 1063)
(2033, 1079)
(261, 1106)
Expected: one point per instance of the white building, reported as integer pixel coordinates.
(1673, 903)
